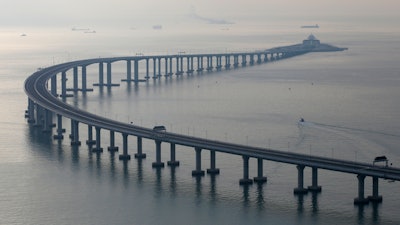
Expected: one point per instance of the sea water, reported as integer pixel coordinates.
(349, 101)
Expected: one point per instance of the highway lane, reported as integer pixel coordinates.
(37, 90)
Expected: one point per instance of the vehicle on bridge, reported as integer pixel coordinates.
(159, 131)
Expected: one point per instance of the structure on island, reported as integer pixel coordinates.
(311, 44)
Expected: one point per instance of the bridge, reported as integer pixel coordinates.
(44, 102)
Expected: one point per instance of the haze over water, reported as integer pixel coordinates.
(349, 100)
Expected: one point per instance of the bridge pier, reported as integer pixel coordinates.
(75, 133)
(245, 180)
(90, 140)
(125, 155)
(30, 113)
(198, 171)
(109, 76)
(64, 85)
(314, 187)
(139, 154)
(260, 178)
(375, 191)
(101, 75)
(300, 181)
(361, 200)
(112, 147)
(98, 148)
(60, 130)
(158, 163)
(213, 169)
(173, 162)
(154, 68)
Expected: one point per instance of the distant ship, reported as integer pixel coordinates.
(310, 26)
(157, 27)
(79, 29)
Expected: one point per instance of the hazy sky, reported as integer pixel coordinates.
(130, 12)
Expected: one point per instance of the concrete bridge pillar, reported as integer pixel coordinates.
(39, 116)
(265, 57)
(47, 120)
(159, 67)
(53, 89)
(166, 67)
(101, 74)
(90, 140)
(177, 66)
(30, 113)
(75, 79)
(252, 59)
(140, 154)
(244, 62)
(260, 178)
(360, 200)
(173, 162)
(198, 171)
(235, 61)
(60, 130)
(245, 180)
(213, 169)
(375, 191)
(154, 68)
(125, 155)
(84, 80)
(136, 71)
(300, 181)
(181, 65)
(147, 69)
(112, 147)
(158, 163)
(75, 133)
(98, 147)
(64, 85)
(128, 70)
(314, 187)
(170, 67)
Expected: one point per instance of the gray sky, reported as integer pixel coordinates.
(131, 12)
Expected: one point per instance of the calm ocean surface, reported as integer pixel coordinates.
(349, 99)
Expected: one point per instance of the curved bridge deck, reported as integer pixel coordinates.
(44, 101)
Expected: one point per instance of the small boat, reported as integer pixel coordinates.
(310, 26)
(301, 120)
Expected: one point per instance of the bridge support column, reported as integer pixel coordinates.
(147, 70)
(54, 86)
(90, 140)
(64, 85)
(314, 187)
(166, 66)
(128, 70)
(98, 147)
(213, 169)
(109, 75)
(75, 79)
(125, 155)
(245, 180)
(136, 71)
(60, 130)
(159, 67)
(158, 163)
(375, 191)
(30, 113)
(112, 147)
(101, 75)
(260, 178)
(198, 171)
(47, 121)
(154, 68)
(360, 200)
(173, 161)
(300, 181)
(75, 133)
(139, 154)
